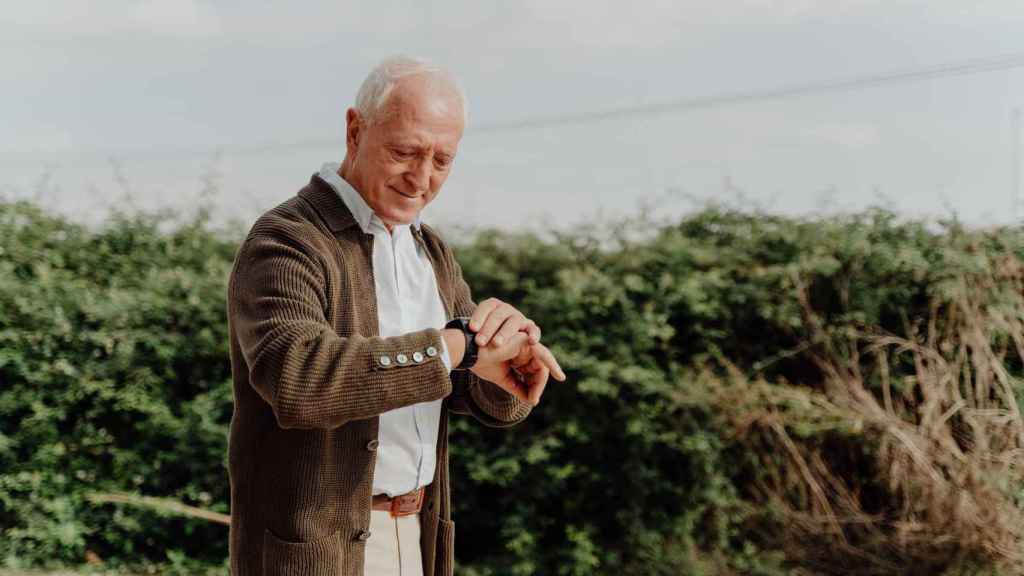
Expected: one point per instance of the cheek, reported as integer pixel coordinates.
(436, 181)
(380, 160)
(378, 179)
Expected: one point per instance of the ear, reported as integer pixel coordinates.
(353, 130)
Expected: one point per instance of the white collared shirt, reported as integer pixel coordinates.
(407, 300)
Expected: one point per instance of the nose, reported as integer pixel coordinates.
(418, 175)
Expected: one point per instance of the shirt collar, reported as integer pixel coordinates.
(361, 211)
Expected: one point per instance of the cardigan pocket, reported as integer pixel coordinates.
(445, 547)
(317, 558)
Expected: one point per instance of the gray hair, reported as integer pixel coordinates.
(373, 94)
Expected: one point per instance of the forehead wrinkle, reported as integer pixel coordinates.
(418, 96)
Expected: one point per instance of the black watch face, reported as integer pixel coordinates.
(460, 323)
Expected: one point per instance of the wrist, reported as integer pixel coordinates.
(469, 350)
(455, 341)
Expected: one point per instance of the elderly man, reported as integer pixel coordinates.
(353, 335)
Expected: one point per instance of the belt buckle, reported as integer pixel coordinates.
(406, 504)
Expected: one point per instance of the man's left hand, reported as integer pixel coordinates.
(518, 367)
(531, 367)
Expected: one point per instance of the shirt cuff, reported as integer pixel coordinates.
(444, 355)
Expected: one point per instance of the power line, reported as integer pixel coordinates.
(977, 66)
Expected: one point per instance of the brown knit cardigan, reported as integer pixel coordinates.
(309, 384)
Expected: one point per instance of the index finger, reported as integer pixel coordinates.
(534, 331)
(548, 359)
(483, 310)
(538, 380)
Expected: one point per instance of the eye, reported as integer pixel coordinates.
(442, 162)
(402, 153)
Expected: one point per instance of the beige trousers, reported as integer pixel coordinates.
(394, 546)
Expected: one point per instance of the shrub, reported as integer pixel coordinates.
(748, 394)
(112, 377)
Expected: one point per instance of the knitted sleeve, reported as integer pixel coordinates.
(486, 401)
(307, 373)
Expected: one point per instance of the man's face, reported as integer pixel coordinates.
(400, 161)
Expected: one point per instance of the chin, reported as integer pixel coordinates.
(401, 218)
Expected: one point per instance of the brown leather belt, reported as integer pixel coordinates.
(402, 505)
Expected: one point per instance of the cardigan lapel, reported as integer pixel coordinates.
(328, 204)
(332, 209)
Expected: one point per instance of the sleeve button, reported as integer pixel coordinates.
(431, 351)
(363, 535)
(372, 444)
(417, 357)
(401, 358)
(384, 360)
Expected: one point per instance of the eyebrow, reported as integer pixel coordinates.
(420, 146)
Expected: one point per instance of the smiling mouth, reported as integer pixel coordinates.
(411, 197)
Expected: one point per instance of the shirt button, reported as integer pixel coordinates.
(384, 360)
(402, 358)
(372, 444)
(417, 357)
(363, 535)
(431, 351)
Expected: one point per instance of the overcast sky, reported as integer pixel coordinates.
(163, 98)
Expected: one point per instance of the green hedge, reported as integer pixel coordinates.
(702, 358)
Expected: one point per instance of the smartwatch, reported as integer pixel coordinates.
(469, 356)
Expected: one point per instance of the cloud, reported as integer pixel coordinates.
(356, 23)
(71, 18)
(175, 17)
(611, 23)
(606, 23)
(39, 136)
(846, 135)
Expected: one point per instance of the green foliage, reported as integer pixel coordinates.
(114, 376)
(631, 467)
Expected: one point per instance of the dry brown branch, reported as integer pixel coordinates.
(165, 505)
(944, 439)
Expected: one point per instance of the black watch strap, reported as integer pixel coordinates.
(469, 356)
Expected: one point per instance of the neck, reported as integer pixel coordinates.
(345, 171)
